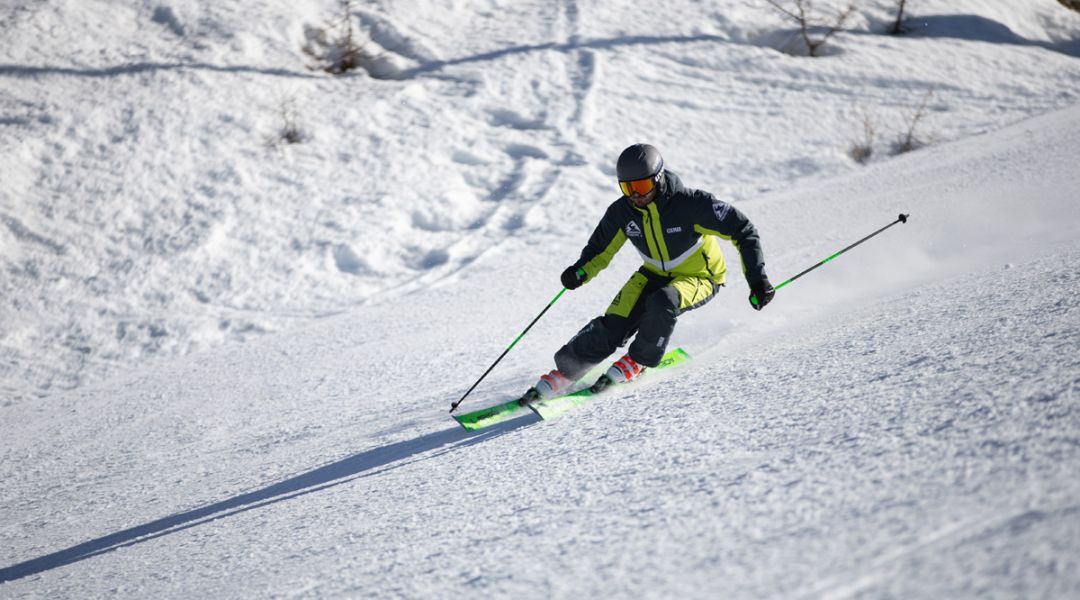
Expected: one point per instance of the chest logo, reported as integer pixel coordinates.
(673, 230)
(632, 230)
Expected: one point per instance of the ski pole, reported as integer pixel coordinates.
(454, 406)
(901, 219)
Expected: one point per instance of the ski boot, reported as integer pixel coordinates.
(621, 371)
(552, 385)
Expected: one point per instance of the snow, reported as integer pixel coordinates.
(225, 364)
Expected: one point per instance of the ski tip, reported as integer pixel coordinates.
(486, 417)
(471, 425)
(467, 426)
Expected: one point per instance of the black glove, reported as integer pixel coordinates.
(761, 293)
(571, 279)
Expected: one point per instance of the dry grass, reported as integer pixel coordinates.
(908, 139)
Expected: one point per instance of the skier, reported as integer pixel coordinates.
(675, 229)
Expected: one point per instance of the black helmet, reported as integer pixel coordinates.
(640, 161)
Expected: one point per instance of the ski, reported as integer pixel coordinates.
(553, 407)
(547, 409)
(486, 417)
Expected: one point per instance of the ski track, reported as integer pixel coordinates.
(938, 466)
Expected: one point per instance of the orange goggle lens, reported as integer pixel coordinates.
(640, 186)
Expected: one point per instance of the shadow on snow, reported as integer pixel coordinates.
(371, 462)
(143, 67)
(965, 27)
(601, 44)
(430, 67)
(974, 28)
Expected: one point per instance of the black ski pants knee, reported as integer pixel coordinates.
(648, 305)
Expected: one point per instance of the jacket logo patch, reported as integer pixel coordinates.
(673, 229)
(632, 230)
(721, 209)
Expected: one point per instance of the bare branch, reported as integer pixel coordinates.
(289, 129)
(841, 20)
(336, 47)
(862, 149)
(798, 17)
(898, 26)
(799, 14)
(908, 140)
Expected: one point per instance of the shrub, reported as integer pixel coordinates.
(862, 148)
(337, 47)
(289, 130)
(908, 140)
(814, 32)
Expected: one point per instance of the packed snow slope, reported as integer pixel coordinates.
(901, 423)
(904, 425)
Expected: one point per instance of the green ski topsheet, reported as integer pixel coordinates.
(486, 417)
(547, 409)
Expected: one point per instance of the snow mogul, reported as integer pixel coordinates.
(675, 229)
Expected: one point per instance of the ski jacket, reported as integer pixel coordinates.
(676, 235)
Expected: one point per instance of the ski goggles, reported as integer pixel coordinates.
(639, 186)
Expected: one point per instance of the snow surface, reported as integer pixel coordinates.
(901, 423)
